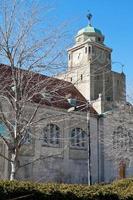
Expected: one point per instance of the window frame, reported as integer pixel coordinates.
(51, 134)
(79, 139)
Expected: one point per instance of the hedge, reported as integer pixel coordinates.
(20, 190)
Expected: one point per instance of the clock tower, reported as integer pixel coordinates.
(89, 68)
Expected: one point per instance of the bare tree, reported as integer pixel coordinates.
(27, 49)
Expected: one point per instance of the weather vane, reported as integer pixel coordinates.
(122, 66)
(89, 17)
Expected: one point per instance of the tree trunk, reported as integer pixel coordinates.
(13, 166)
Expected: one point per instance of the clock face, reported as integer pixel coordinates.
(79, 56)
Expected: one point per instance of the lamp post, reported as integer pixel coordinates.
(72, 102)
(121, 64)
(88, 145)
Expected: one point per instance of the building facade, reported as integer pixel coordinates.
(56, 150)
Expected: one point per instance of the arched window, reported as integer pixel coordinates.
(122, 139)
(51, 134)
(116, 136)
(86, 49)
(78, 138)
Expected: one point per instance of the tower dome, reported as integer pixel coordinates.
(89, 29)
(89, 33)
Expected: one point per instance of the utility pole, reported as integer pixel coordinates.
(88, 145)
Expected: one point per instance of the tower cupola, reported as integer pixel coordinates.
(89, 33)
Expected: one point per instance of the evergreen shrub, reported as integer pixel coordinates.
(24, 190)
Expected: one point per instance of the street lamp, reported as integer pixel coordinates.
(89, 145)
(74, 107)
(117, 62)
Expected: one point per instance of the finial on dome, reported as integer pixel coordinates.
(122, 66)
(89, 17)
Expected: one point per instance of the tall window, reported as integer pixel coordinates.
(85, 49)
(99, 39)
(78, 138)
(89, 49)
(51, 134)
(109, 56)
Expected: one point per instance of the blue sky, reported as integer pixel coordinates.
(113, 17)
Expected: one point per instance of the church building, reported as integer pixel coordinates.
(90, 70)
(87, 136)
